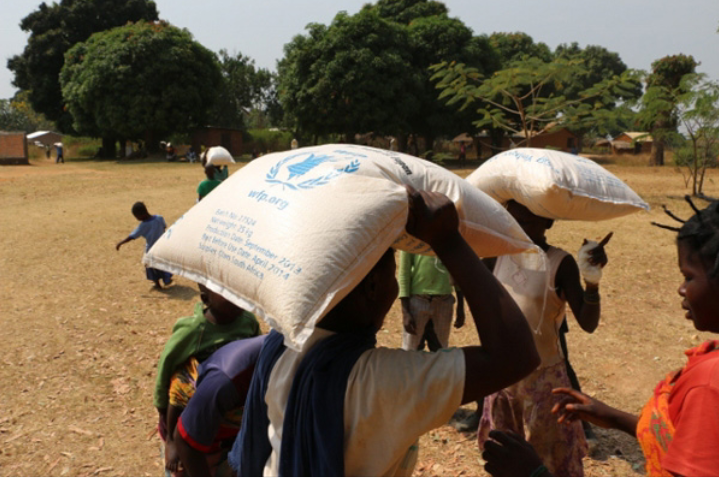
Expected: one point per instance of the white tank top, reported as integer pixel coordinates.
(530, 281)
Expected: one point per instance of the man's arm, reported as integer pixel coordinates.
(507, 353)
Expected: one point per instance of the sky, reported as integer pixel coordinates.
(640, 31)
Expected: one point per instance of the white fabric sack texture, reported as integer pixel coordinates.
(556, 185)
(292, 233)
(218, 156)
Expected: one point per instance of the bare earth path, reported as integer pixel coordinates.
(82, 329)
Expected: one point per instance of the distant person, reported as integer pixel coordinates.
(462, 153)
(221, 172)
(171, 153)
(60, 158)
(425, 293)
(216, 321)
(294, 144)
(191, 155)
(206, 401)
(151, 227)
(208, 184)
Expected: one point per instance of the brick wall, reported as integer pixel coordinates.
(13, 148)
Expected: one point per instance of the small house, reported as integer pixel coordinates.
(632, 142)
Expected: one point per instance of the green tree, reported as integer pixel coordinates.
(348, 77)
(406, 11)
(518, 46)
(433, 39)
(658, 113)
(16, 114)
(53, 30)
(696, 103)
(600, 64)
(140, 81)
(524, 98)
(245, 90)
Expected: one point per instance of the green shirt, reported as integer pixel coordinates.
(422, 275)
(207, 186)
(195, 337)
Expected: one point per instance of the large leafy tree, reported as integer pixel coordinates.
(406, 11)
(349, 77)
(527, 96)
(17, 115)
(598, 65)
(434, 37)
(53, 30)
(518, 46)
(695, 103)
(659, 107)
(140, 81)
(245, 90)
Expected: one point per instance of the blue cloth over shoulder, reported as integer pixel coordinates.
(313, 428)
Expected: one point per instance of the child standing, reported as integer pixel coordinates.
(525, 407)
(215, 322)
(207, 185)
(151, 227)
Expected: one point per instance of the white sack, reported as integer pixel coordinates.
(556, 185)
(217, 156)
(292, 233)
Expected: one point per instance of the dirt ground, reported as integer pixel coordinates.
(82, 329)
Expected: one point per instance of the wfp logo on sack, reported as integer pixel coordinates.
(309, 170)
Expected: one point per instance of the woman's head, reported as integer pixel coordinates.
(698, 250)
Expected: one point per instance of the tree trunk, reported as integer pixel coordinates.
(428, 143)
(657, 154)
(402, 142)
(108, 148)
(496, 137)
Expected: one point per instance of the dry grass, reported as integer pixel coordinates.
(82, 328)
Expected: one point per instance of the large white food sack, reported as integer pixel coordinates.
(292, 233)
(556, 185)
(217, 156)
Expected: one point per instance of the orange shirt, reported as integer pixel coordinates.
(694, 411)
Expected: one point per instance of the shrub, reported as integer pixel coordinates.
(265, 140)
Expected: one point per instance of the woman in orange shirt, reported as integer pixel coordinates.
(678, 429)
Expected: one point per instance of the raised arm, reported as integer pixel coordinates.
(507, 353)
(585, 303)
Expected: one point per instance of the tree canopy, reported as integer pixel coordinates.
(527, 97)
(17, 115)
(348, 77)
(369, 72)
(697, 107)
(244, 89)
(139, 81)
(54, 29)
(664, 86)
